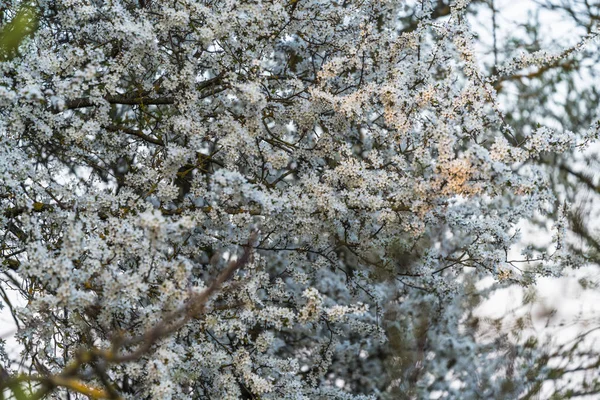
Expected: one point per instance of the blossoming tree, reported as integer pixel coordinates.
(264, 199)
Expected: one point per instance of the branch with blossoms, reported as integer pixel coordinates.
(98, 358)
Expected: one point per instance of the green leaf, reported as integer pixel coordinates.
(18, 392)
(12, 34)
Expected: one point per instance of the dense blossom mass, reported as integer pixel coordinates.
(353, 175)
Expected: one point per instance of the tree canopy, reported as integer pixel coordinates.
(275, 199)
